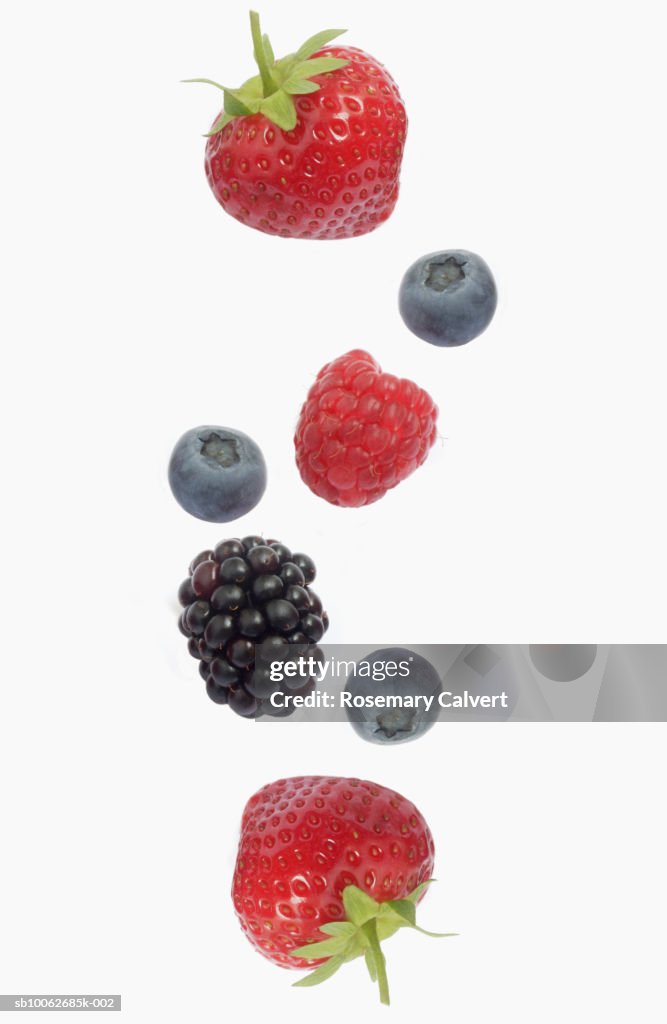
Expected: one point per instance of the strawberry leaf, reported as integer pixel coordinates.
(318, 66)
(377, 957)
(204, 81)
(271, 91)
(300, 86)
(370, 964)
(320, 974)
(221, 122)
(368, 924)
(280, 109)
(268, 50)
(237, 104)
(416, 893)
(338, 928)
(405, 909)
(328, 947)
(317, 41)
(359, 906)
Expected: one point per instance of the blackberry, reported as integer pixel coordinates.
(227, 598)
(266, 588)
(243, 593)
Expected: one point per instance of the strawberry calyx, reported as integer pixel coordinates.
(367, 925)
(272, 91)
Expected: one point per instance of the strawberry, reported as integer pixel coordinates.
(361, 431)
(326, 869)
(312, 146)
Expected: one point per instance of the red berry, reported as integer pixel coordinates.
(311, 850)
(318, 152)
(362, 431)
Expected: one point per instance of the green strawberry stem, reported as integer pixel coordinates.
(378, 959)
(272, 92)
(366, 925)
(268, 85)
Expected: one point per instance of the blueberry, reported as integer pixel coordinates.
(398, 672)
(217, 474)
(448, 298)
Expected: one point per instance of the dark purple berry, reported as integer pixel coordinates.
(186, 594)
(245, 604)
(276, 710)
(259, 683)
(317, 654)
(219, 630)
(306, 564)
(203, 556)
(263, 560)
(312, 626)
(206, 653)
(298, 638)
(234, 570)
(242, 702)
(251, 622)
(223, 673)
(252, 542)
(299, 597)
(272, 642)
(217, 693)
(266, 588)
(229, 549)
(241, 652)
(284, 553)
(291, 575)
(281, 615)
(205, 578)
(230, 597)
(196, 617)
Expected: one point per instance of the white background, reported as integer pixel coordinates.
(135, 308)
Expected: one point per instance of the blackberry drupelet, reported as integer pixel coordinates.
(242, 594)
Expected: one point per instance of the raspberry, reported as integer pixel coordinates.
(362, 431)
